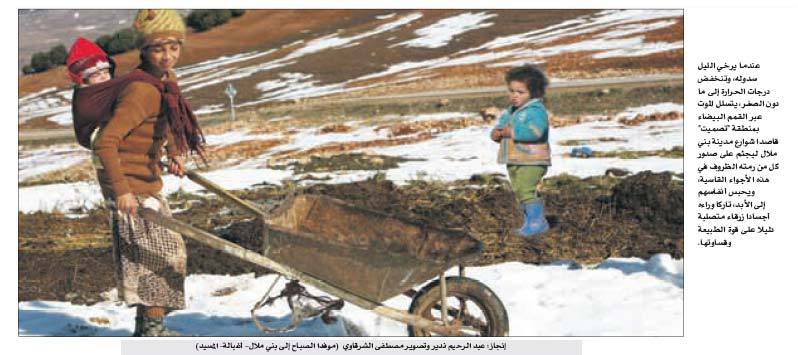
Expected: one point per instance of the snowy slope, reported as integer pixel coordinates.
(278, 74)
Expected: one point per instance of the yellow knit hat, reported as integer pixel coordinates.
(157, 25)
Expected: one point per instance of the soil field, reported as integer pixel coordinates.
(63, 258)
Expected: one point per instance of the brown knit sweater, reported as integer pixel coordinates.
(130, 145)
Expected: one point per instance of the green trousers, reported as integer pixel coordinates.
(524, 180)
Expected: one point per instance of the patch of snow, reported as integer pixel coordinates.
(461, 153)
(86, 195)
(440, 33)
(220, 61)
(233, 137)
(207, 109)
(239, 73)
(663, 107)
(581, 25)
(606, 44)
(441, 116)
(400, 67)
(45, 106)
(619, 297)
(40, 161)
(60, 197)
(333, 41)
(514, 63)
(310, 138)
(63, 119)
(640, 50)
(338, 177)
(636, 137)
(34, 95)
(635, 28)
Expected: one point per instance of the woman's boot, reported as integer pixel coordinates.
(150, 323)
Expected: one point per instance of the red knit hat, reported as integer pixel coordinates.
(85, 58)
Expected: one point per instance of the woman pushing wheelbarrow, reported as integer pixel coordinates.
(126, 121)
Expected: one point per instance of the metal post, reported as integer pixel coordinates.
(231, 92)
(232, 109)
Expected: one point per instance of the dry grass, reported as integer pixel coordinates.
(342, 147)
(657, 116)
(430, 127)
(83, 171)
(68, 242)
(39, 123)
(335, 128)
(275, 29)
(227, 155)
(564, 120)
(255, 30)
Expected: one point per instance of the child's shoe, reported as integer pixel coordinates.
(534, 220)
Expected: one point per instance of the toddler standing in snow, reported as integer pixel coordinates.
(523, 133)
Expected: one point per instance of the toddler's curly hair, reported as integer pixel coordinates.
(534, 79)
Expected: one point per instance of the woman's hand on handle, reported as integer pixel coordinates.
(127, 204)
(176, 166)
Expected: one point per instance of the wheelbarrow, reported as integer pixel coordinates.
(362, 257)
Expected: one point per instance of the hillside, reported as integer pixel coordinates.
(274, 56)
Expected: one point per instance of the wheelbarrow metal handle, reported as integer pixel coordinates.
(202, 181)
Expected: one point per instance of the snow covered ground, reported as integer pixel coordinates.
(448, 156)
(617, 297)
(620, 296)
(40, 161)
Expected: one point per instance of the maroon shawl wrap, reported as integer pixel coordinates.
(93, 107)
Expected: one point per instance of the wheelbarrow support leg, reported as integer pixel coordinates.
(444, 315)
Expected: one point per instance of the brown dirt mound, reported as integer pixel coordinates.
(588, 223)
(432, 127)
(651, 197)
(40, 123)
(335, 128)
(592, 219)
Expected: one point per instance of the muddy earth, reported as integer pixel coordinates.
(591, 219)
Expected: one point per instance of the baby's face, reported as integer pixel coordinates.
(100, 76)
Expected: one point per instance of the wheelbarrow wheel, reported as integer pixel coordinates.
(473, 308)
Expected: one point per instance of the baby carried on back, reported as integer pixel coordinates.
(93, 104)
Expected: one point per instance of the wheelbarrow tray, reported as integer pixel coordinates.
(370, 254)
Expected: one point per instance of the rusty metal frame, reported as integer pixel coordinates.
(242, 253)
